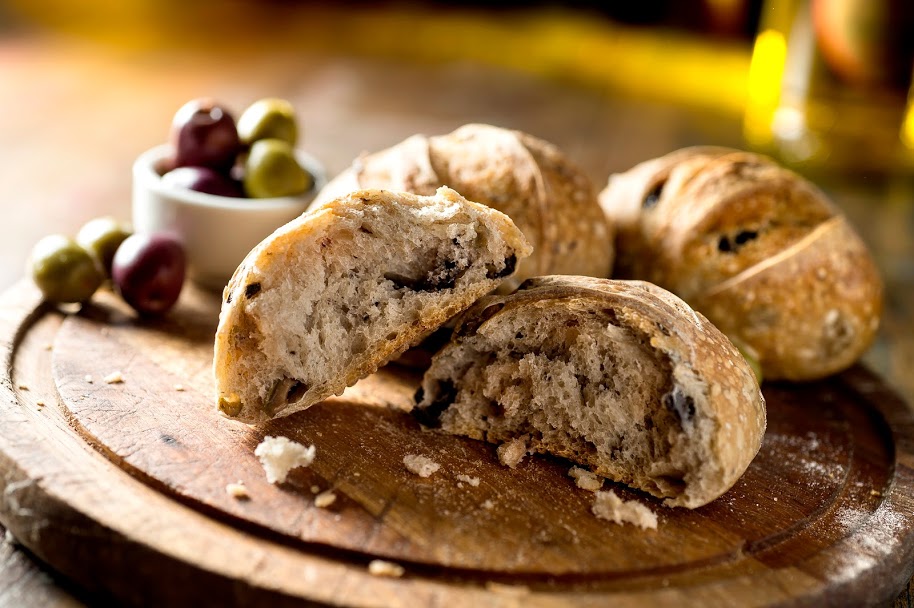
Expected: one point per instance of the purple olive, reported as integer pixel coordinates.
(203, 179)
(203, 134)
(148, 272)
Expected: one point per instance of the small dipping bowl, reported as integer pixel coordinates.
(217, 231)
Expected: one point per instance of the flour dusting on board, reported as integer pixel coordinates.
(821, 461)
(874, 537)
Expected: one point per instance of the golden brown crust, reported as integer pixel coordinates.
(696, 219)
(576, 230)
(623, 198)
(549, 199)
(814, 306)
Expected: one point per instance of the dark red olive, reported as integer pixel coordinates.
(203, 179)
(148, 271)
(203, 134)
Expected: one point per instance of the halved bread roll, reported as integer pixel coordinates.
(336, 293)
(619, 376)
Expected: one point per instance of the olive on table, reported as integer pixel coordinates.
(203, 179)
(203, 134)
(101, 237)
(271, 170)
(63, 270)
(148, 272)
(269, 118)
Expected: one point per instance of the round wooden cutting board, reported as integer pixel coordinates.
(121, 486)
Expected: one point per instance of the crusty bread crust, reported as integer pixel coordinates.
(720, 228)
(338, 292)
(549, 199)
(704, 401)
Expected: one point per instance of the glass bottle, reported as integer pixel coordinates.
(830, 85)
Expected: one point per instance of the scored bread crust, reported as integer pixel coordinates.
(843, 291)
(710, 439)
(550, 200)
(719, 227)
(336, 293)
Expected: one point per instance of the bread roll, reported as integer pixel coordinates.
(336, 293)
(619, 376)
(758, 249)
(549, 199)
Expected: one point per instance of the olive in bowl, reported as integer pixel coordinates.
(216, 231)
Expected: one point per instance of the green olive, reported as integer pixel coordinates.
(63, 270)
(271, 170)
(268, 119)
(101, 237)
(752, 360)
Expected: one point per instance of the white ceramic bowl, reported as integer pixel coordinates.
(217, 231)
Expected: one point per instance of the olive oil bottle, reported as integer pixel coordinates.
(830, 85)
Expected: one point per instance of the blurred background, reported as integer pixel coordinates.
(822, 85)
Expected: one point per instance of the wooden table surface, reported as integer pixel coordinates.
(73, 116)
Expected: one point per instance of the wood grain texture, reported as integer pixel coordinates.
(825, 512)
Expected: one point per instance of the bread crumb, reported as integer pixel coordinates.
(586, 480)
(48, 346)
(510, 590)
(88, 378)
(324, 499)
(238, 490)
(488, 504)
(179, 387)
(315, 489)
(379, 567)
(40, 403)
(473, 481)
(875, 493)
(114, 378)
(279, 455)
(609, 506)
(511, 453)
(420, 465)
(23, 387)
